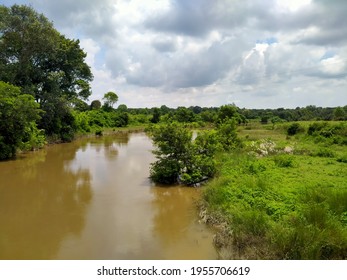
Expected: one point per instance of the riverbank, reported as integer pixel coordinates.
(52, 140)
(111, 131)
(280, 197)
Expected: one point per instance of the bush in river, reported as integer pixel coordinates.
(179, 158)
(184, 160)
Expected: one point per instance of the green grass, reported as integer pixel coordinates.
(282, 206)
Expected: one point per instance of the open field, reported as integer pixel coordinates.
(281, 197)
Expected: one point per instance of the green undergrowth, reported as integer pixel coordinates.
(281, 205)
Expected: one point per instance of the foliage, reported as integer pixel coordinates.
(58, 120)
(82, 121)
(45, 64)
(294, 128)
(156, 116)
(339, 114)
(33, 139)
(227, 112)
(17, 120)
(37, 58)
(227, 135)
(179, 158)
(173, 144)
(183, 114)
(122, 119)
(332, 133)
(95, 105)
(284, 160)
(182, 159)
(282, 206)
(110, 98)
(122, 108)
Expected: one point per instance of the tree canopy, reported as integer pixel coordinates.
(45, 64)
(37, 58)
(110, 98)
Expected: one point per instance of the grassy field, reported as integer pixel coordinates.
(280, 196)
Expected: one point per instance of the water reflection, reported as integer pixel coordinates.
(41, 202)
(92, 199)
(176, 226)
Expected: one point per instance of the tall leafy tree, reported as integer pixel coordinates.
(45, 64)
(110, 98)
(36, 57)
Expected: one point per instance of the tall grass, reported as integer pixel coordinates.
(282, 206)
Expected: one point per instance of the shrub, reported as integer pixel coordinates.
(227, 135)
(294, 128)
(33, 139)
(342, 159)
(179, 159)
(316, 127)
(284, 160)
(17, 117)
(324, 152)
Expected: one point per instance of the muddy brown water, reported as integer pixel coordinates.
(92, 199)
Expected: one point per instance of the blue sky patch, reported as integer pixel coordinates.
(328, 54)
(269, 41)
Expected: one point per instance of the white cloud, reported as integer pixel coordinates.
(292, 5)
(334, 66)
(260, 53)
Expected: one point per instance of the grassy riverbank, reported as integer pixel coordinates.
(281, 197)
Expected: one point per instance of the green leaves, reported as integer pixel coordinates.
(37, 58)
(110, 99)
(18, 113)
(180, 159)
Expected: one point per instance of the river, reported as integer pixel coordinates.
(92, 199)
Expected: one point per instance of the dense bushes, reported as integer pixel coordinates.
(294, 128)
(96, 119)
(180, 158)
(17, 121)
(334, 133)
(283, 198)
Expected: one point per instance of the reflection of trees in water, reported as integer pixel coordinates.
(175, 225)
(41, 203)
(175, 210)
(111, 143)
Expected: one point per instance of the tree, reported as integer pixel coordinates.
(17, 117)
(110, 99)
(227, 135)
(122, 108)
(183, 114)
(37, 58)
(339, 114)
(156, 116)
(95, 105)
(179, 158)
(227, 112)
(42, 62)
(173, 144)
(164, 109)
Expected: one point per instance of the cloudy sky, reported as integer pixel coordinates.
(254, 53)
